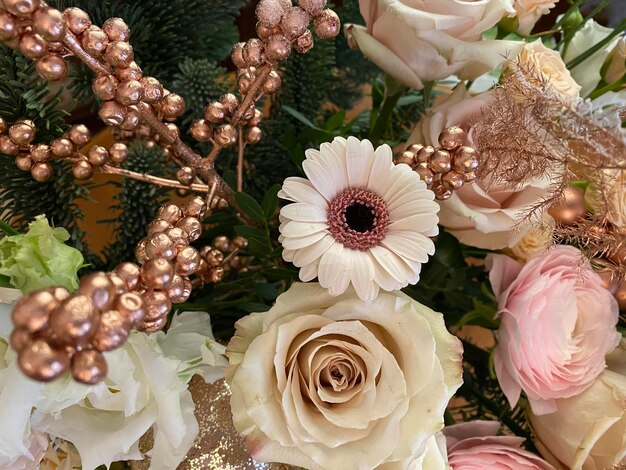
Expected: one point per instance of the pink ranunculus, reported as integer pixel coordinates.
(475, 446)
(558, 324)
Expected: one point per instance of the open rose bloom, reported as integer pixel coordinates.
(328, 382)
(483, 214)
(423, 40)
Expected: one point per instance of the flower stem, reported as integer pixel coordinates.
(428, 93)
(6, 228)
(607, 88)
(386, 111)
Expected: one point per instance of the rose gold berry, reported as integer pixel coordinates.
(327, 25)
(77, 20)
(82, 170)
(95, 41)
(49, 23)
(116, 29)
(152, 89)
(80, 135)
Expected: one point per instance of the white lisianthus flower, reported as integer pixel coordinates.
(330, 383)
(146, 388)
(358, 219)
(589, 72)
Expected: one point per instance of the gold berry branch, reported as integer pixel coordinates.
(56, 330)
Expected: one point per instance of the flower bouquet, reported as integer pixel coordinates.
(392, 236)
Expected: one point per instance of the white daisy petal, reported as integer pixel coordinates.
(298, 243)
(321, 179)
(288, 254)
(363, 275)
(389, 262)
(404, 178)
(409, 247)
(302, 229)
(358, 163)
(383, 278)
(335, 166)
(298, 189)
(339, 145)
(414, 207)
(332, 264)
(380, 175)
(415, 223)
(313, 252)
(303, 212)
(309, 271)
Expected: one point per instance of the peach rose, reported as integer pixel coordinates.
(475, 445)
(588, 431)
(529, 12)
(328, 382)
(558, 324)
(548, 64)
(424, 40)
(480, 214)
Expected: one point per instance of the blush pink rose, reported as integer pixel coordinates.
(424, 40)
(558, 324)
(475, 445)
(482, 214)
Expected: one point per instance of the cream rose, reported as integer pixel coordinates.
(588, 431)
(338, 383)
(550, 66)
(423, 40)
(535, 240)
(481, 214)
(529, 12)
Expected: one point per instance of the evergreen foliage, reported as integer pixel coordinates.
(24, 95)
(198, 81)
(136, 204)
(165, 33)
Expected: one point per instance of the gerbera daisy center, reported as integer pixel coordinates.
(358, 218)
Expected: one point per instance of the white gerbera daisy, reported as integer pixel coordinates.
(358, 219)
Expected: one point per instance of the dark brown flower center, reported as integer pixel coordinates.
(358, 218)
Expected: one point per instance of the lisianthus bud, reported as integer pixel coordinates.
(615, 66)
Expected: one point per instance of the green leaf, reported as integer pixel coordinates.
(266, 291)
(281, 274)
(259, 248)
(270, 201)
(251, 233)
(254, 307)
(250, 207)
(5, 281)
(6, 228)
(482, 315)
(335, 121)
(448, 251)
(299, 116)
